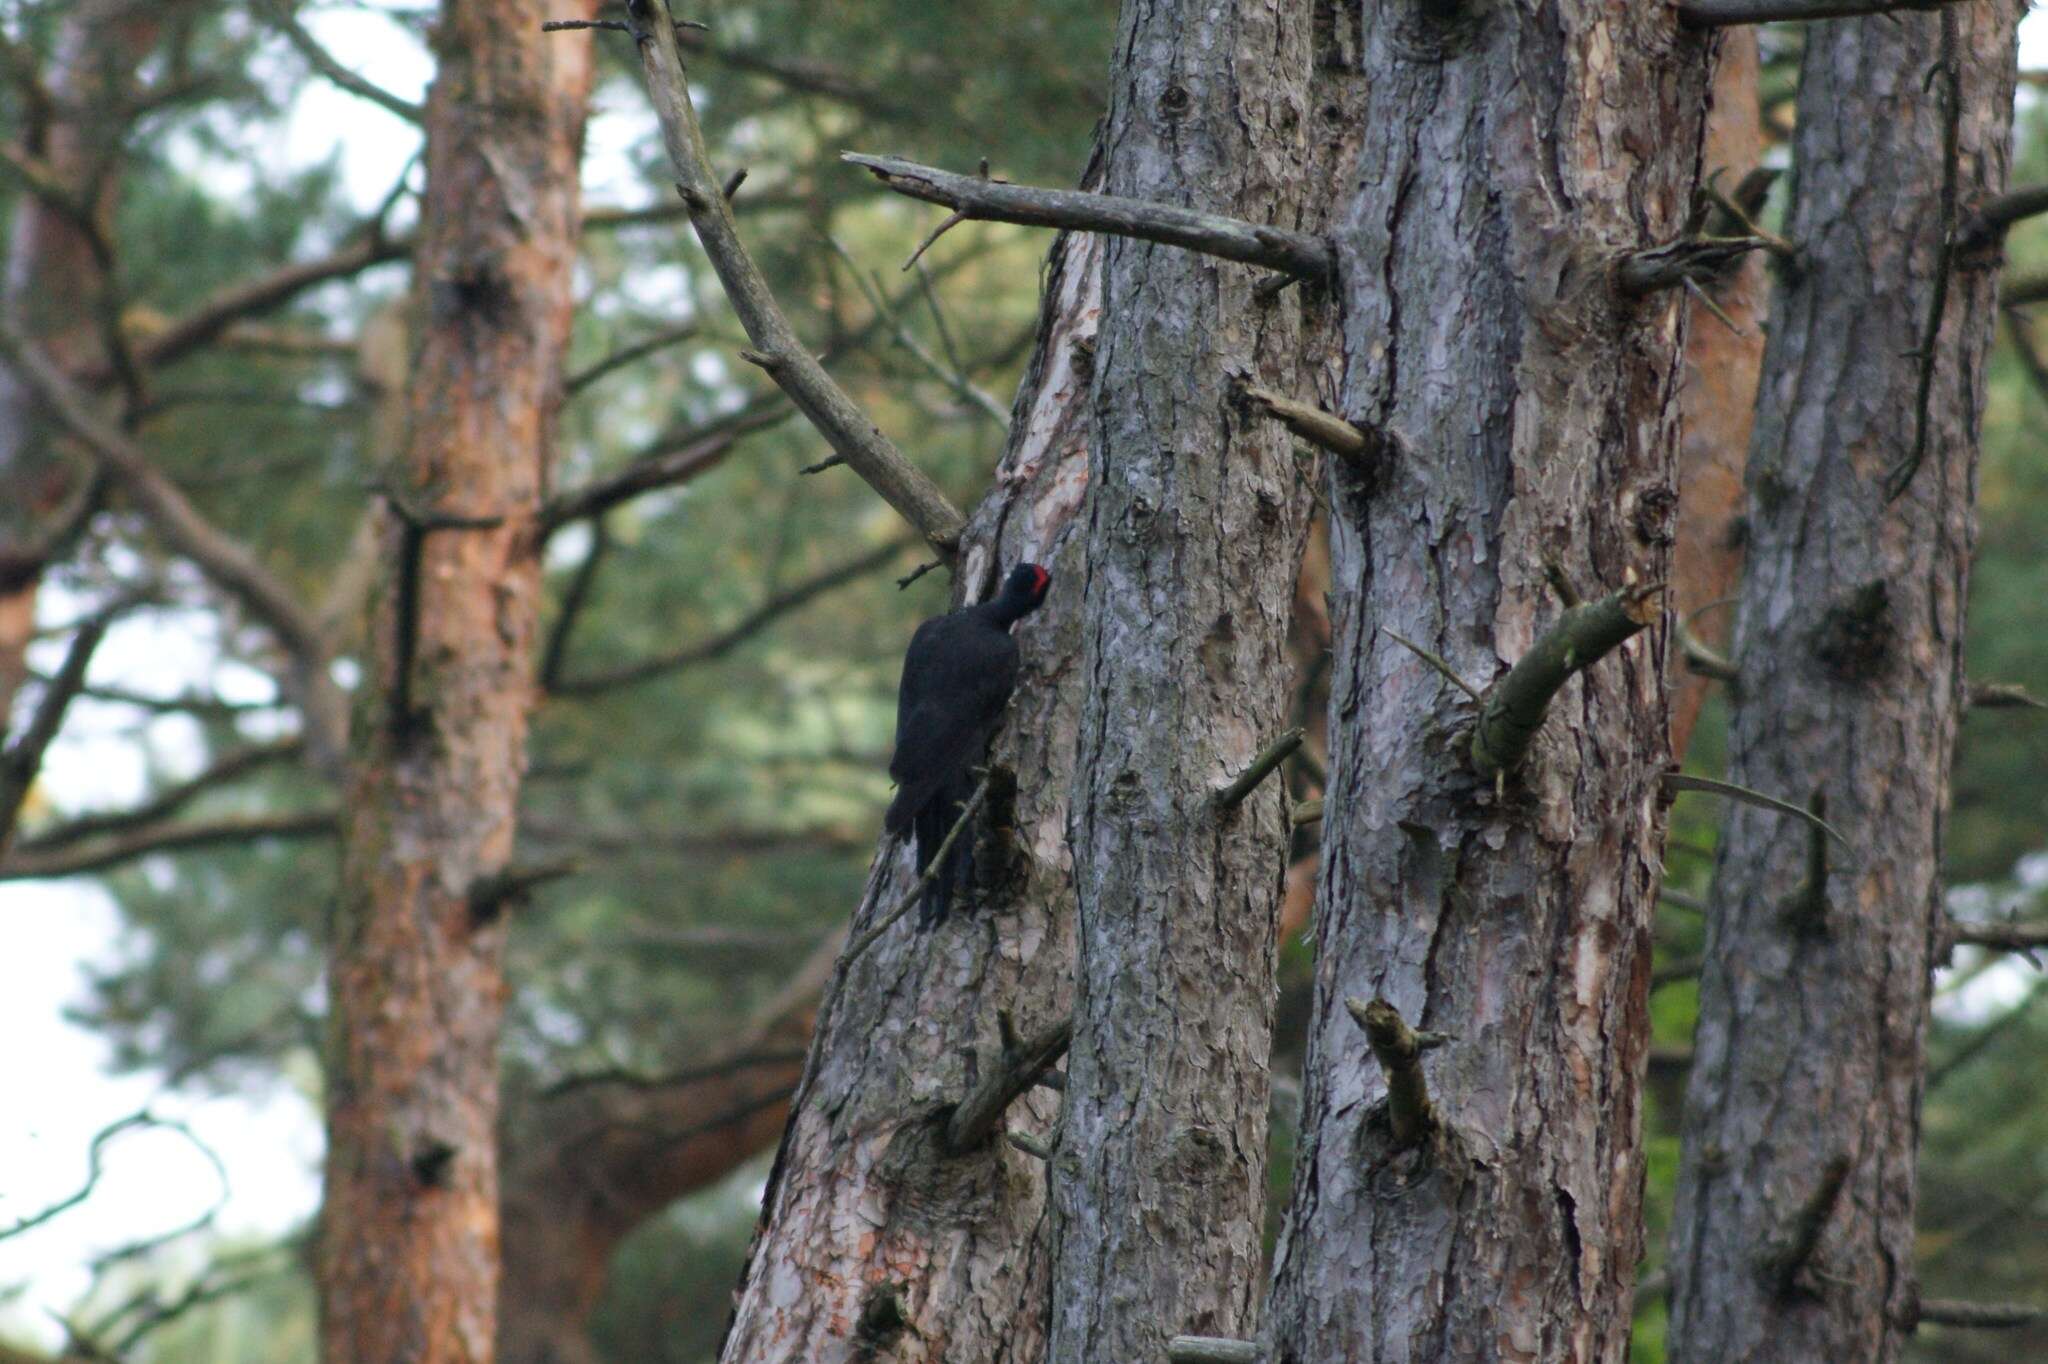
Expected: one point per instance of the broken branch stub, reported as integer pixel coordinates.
(1582, 636)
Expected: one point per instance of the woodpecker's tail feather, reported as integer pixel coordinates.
(933, 823)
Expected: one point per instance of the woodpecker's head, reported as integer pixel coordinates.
(1023, 592)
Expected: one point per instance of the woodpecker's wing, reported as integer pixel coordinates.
(957, 676)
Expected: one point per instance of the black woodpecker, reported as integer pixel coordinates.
(957, 677)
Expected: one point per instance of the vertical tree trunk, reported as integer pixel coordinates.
(876, 1240)
(1794, 1232)
(1717, 397)
(1196, 515)
(1510, 157)
(409, 1235)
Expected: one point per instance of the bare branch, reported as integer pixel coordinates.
(1999, 937)
(1685, 781)
(281, 17)
(626, 355)
(838, 418)
(1979, 1316)
(1015, 1069)
(860, 945)
(1323, 429)
(30, 864)
(228, 767)
(1685, 261)
(491, 894)
(227, 563)
(1260, 767)
(1950, 70)
(1211, 1350)
(979, 199)
(1988, 225)
(1783, 1267)
(724, 642)
(24, 757)
(669, 463)
(948, 374)
(212, 318)
(1410, 1115)
(96, 1165)
(1719, 13)
(573, 601)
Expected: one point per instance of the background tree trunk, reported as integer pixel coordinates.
(409, 1234)
(1509, 158)
(874, 1240)
(55, 282)
(1717, 396)
(1196, 515)
(1802, 1118)
(587, 1164)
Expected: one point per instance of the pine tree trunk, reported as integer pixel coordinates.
(1196, 516)
(1510, 158)
(1794, 1231)
(876, 1240)
(408, 1266)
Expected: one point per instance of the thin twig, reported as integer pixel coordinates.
(1435, 661)
(321, 60)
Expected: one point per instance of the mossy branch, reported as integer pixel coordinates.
(1583, 635)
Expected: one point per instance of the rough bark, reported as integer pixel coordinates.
(1196, 516)
(1717, 395)
(1813, 1003)
(1510, 156)
(408, 1265)
(874, 1242)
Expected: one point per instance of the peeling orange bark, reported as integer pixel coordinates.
(408, 1265)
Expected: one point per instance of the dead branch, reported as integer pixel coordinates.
(1410, 1115)
(1260, 767)
(1016, 1068)
(24, 757)
(1581, 637)
(230, 766)
(777, 348)
(725, 641)
(280, 17)
(1718, 13)
(979, 199)
(28, 863)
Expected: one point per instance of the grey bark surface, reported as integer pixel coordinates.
(1196, 516)
(1509, 158)
(875, 1243)
(1813, 1001)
